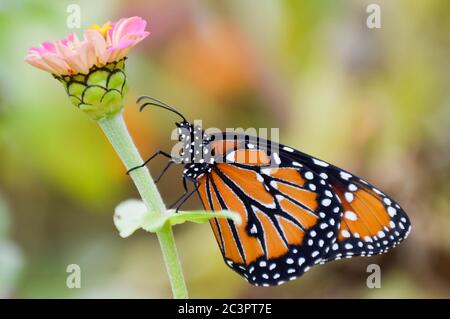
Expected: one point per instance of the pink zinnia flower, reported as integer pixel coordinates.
(99, 46)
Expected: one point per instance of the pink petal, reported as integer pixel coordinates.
(127, 27)
(71, 38)
(76, 64)
(113, 55)
(36, 50)
(99, 44)
(86, 53)
(63, 50)
(49, 46)
(78, 59)
(91, 57)
(40, 64)
(105, 57)
(56, 63)
(122, 44)
(120, 51)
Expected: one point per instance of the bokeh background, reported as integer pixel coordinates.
(373, 101)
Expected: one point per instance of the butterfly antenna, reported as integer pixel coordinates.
(156, 102)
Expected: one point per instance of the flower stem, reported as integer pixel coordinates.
(115, 129)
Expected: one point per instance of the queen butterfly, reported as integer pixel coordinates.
(297, 210)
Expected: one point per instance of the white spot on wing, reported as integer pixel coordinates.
(348, 197)
(391, 211)
(320, 163)
(326, 202)
(345, 233)
(350, 215)
(345, 176)
(323, 175)
(309, 175)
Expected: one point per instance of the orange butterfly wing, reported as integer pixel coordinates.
(297, 213)
(286, 226)
(371, 223)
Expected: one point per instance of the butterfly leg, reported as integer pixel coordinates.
(158, 152)
(183, 198)
(169, 163)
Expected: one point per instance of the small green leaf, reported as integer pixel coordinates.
(112, 99)
(117, 80)
(201, 216)
(98, 77)
(76, 89)
(93, 94)
(132, 214)
(154, 222)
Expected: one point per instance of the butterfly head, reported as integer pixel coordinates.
(195, 149)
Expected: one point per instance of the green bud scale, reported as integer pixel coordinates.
(100, 92)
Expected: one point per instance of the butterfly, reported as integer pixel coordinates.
(297, 210)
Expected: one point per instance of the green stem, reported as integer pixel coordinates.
(115, 129)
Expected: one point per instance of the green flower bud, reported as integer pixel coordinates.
(100, 92)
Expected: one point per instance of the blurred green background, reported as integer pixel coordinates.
(373, 101)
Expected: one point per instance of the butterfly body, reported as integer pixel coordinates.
(195, 151)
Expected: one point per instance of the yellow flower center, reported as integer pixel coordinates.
(103, 30)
